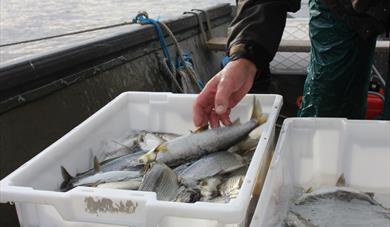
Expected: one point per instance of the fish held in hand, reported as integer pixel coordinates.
(196, 144)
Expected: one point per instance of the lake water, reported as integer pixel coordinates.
(29, 19)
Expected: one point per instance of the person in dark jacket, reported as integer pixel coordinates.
(343, 35)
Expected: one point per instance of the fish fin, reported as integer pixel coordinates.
(152, 154)
(257, 112)
(65, 185)
(200, 129)
(96, 164)
(161, 148)
(148, 157)
(341, 181)
(65, 174)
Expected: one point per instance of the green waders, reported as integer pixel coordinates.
(339, 68)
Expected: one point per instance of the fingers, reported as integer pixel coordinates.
(204, 103)
(225, 119)
(214, 120)
(199, 117)
(236, 77)
(224, 91)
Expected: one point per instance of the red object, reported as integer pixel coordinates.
(299, 101)
(375, 106)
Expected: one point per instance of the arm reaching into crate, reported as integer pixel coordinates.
(254, 37)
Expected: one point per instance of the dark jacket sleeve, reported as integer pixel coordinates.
(256, 30)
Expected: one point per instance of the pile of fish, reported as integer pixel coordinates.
(336, 206)
(204, 165)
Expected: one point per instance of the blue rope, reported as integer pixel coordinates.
(188, 61)
(145, 20)
(142, 18)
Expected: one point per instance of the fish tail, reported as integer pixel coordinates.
(67, 179)
(257, 112)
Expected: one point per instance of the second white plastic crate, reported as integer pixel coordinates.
(312, 152)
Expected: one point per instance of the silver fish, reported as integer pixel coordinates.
(194, 145)
(249, 144)
(122, 146)
(132, 184)
(342, 193)
(213, 164)
(127, 162)
(106, 177)
(339, 206)
(179, 169)
(148, 140)
(137, 139)
(162, 180)
(166, 136)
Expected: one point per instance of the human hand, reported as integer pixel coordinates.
(223, 92)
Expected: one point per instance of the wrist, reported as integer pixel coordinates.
(250, 51)
(248, 66)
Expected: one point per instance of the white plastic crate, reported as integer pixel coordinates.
(34, 186)
(312, 152)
